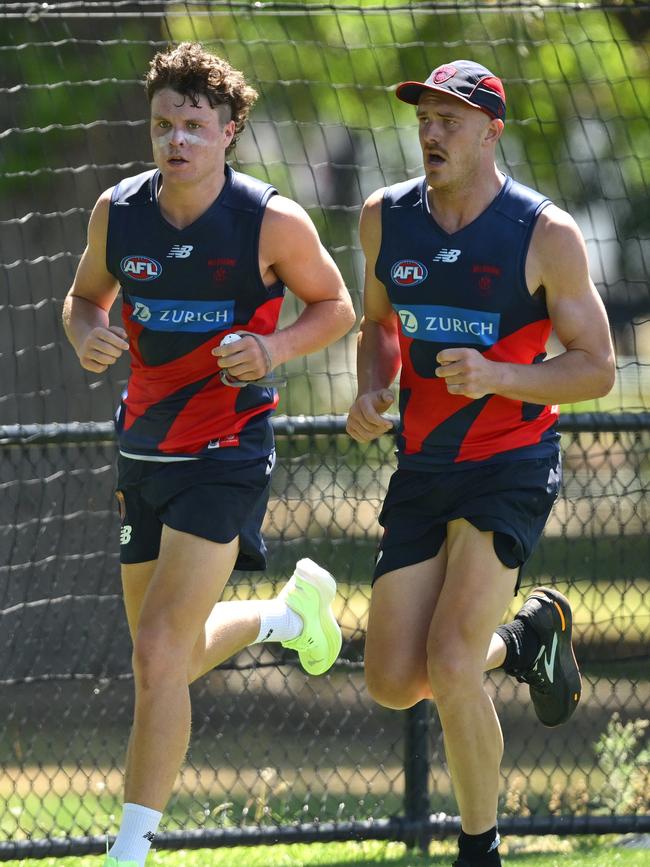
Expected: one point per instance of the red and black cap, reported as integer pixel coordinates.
(464, 79)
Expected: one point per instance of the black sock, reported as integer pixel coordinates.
(480, 848)
(522, 645)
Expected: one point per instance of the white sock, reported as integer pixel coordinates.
(136, 834)
(278, 622)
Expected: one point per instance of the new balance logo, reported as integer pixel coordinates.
(150, 836)
(553, 479)
(125, 534)
(180, 251)
(446, 255)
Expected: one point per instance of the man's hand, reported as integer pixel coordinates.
(102, 347)
(247, 359)
(467, 372)
(365, 422)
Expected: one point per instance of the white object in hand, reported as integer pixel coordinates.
(230, 338)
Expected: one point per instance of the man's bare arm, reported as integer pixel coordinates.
(291, 251)
(378, 352)
(94, 289)
(586, 369)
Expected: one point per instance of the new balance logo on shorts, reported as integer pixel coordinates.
(180, 251)
(553, 478)
(446, 255)
(125, 534)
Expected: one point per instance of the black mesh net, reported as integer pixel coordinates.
(272, 748)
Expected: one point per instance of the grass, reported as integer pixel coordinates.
(524, 852)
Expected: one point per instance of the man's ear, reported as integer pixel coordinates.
(493, 131)
(229, 131)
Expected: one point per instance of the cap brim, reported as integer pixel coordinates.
(411, 91)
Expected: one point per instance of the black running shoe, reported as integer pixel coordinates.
(554, 677)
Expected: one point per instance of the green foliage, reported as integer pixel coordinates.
(569, 77)
(626, 766)
(67, 82)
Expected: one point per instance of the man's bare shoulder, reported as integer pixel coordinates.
(370, 222)
(557, 257)
(282, 209)
(374, 200)
(556, 227)
(98, 223)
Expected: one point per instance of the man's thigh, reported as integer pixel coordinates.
(401, 608)
(509, 502)
(477, 589)
(187, 581)
(135, 581)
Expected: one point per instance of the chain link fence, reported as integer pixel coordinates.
(276, 754)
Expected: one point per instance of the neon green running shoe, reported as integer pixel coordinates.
(310, 592)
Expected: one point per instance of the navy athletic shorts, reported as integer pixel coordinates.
(513, 499)
(216, 500)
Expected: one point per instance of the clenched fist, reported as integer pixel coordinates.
(365, 419)
(102, 347)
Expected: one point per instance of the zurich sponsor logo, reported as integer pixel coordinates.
(177, 315)
(408, 272)
(141, 268)
(457, 325)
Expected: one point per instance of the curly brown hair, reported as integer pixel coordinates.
(194, 72)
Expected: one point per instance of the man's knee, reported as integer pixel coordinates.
(396, 688)
(157, 655)
(453, 673)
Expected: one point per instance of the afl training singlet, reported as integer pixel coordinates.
(183, 290)
(466, 289)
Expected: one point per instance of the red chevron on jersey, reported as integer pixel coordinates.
(429, 403)
(451, 305)
(188, 391)
(499, 423)
(497, 426)
(175, 403)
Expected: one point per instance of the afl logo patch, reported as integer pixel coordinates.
(141, 268)
(408, 272)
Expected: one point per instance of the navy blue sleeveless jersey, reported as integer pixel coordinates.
(466, 289)
(183, 290)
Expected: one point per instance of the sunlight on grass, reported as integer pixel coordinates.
(526, 852)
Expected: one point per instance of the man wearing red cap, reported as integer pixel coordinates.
(467, 273)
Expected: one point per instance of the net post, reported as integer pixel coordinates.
(416, 776)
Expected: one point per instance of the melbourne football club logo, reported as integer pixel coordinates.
(141, 268)
(444, 73)
(408, 272)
